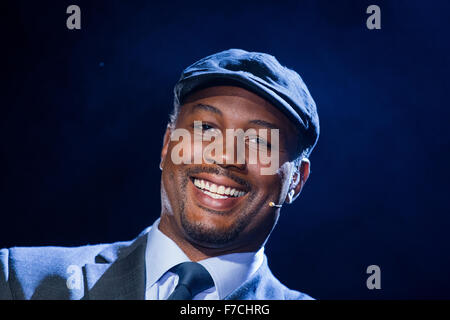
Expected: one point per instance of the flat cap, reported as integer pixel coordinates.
(262, 74)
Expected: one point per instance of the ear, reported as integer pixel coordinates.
(299, 177)
(165, 147)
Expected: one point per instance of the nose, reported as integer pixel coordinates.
(232, 156)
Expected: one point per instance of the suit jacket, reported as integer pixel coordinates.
(105, 271)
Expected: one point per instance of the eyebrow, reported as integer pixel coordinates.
(210, 108)
(207, 107)
(264, 124)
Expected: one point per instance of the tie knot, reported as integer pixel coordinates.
(193, 276)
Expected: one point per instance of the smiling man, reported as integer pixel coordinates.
(218, 206)
(206, 220)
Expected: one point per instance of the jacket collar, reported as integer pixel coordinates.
(118, 271)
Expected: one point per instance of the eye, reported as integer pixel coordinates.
(206, 127)
(257, 142)
(206, 130)
(201, 126)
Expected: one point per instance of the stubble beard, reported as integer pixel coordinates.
(209, 236)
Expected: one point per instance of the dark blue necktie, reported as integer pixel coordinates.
(193, 279)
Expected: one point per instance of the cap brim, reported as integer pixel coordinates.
(208, 79)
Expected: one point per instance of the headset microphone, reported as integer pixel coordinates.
(272, 204)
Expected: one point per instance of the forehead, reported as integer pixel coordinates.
(236, 102)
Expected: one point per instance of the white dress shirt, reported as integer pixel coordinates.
(227, 271)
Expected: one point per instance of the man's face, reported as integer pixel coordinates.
(195, 203)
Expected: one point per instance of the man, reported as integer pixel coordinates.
(217, 212)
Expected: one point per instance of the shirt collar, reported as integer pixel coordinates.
(161, 254)
(228, 271)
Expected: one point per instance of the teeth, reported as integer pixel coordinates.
(214, 195)
(217, 192)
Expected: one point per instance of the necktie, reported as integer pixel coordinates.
(193, 279)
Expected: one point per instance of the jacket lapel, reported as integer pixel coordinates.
(119, 272)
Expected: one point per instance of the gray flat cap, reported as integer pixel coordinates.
(262, 74)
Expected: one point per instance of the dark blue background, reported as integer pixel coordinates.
(83, 114)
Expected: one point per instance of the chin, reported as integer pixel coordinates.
(210, 233)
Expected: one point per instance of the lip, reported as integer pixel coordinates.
(205, 201)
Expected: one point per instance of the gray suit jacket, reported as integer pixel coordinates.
(106, 271)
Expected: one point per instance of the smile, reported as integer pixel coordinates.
(216, 191)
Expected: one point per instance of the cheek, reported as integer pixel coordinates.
(188, 149)
(265, 183)
(179, 152)
(172, 172)
(272, 187)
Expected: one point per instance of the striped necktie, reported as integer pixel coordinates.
(193, 279)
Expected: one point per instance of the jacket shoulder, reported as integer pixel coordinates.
(34, 272)
(296, 295)
(263, 285)
(284, 292)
